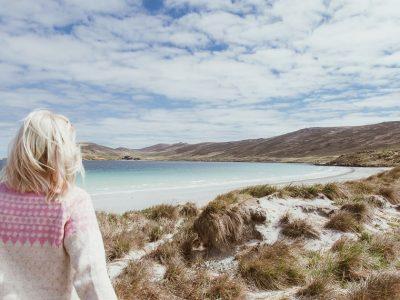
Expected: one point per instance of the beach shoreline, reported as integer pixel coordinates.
(122, 201)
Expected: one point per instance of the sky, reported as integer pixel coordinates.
(136, 73)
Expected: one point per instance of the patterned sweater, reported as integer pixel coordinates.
(51, 251)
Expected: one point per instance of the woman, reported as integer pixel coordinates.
(50, 243)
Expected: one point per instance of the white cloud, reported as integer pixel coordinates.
(233, 69)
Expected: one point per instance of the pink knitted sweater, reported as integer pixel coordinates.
(51, 251)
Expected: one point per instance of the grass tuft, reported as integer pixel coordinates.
(121, 233)
(383, 285)
(390, 193)
(162, 211)
(297, 228)
(134, 283)
(221, 228)
(349, 218)
(360, 211)
(189, 210)
(259, 191)
(344, 221)
(317, 288)
(197, 284)
(271, 267)
(352, 261)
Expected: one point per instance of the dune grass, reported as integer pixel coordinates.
(133, 229)
(135, 283)
(271, 267)
(351, 269)
(297, 228)
(161, 211)
(317, 288)
(330, 190)
(188, 210)
(219, 229)
(197, 284)
(121, 233)
(181, 247)
(379, 285)
(185, 278)
(360, 211)
(384, 184)
(222, 223)
(350, 217)
(354, 260)
(259, 191)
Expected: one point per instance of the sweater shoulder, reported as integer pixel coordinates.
(76, 196)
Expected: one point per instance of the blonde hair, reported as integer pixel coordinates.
(44, 157)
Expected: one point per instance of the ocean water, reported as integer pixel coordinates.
(104, 177)
(125, 185)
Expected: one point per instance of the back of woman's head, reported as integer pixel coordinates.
(44, 157)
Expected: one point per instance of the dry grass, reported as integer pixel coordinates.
(352, 261)
(162, 211)
(221, 228)
(181, 247)
(386, 184)
(197, 284)
(121, 233)
(155, 233)
(391, 194)
(360, 211)
(386, 247)
(321, 279)
(377, 286)
(359, 188)
(188, 210)
(343, 221)
(271, 267)
(296, 228)
(226, 287)
(134, 283)
(376, 201)
(331, 190)
(317, 288)
(258, 216)
(165, 253)
(349, 218)
(182, 280)
(360, 265)
(349, 264)
(259, 191)
(117, 245)
(381, 184)
(132, 230)
(224, 201)
(356, 259)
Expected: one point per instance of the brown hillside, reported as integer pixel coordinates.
(317, 145)
(309, 142)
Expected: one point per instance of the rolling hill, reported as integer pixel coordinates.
(92, 151)
(316, 145)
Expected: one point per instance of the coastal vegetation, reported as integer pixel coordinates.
(297, 228)
(322, 241)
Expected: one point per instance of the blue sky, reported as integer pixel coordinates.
(134, 73)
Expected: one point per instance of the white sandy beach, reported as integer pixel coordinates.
(129, 200)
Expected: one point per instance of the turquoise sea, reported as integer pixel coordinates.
(129, 176)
